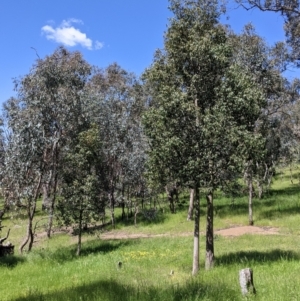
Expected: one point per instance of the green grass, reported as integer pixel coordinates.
(52, 271)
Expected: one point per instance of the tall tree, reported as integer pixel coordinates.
(42, 120)
(257, 58)
(24, 165)
(81, 182)
(117, 105)
(54, 88)
(195, 95)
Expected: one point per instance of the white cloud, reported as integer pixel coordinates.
(68, 35)
(98, 45)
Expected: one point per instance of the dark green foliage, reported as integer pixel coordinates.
(80, 201)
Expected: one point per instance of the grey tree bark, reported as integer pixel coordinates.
(246, 281)
(191, 206)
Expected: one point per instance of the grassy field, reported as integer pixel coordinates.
(52, 271)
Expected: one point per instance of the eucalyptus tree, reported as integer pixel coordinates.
(201, 105)
(24, 164)
(290, 11)
(54, 88)
(81, 181)
(257, 58)
(117, 103)
(42, 120)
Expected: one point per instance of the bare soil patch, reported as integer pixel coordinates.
(228, 232)
(241, 230)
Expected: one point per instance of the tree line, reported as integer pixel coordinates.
(212, 108)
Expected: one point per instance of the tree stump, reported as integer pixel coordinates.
(6, 249)
(246, 281)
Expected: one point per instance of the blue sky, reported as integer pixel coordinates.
(105, 31)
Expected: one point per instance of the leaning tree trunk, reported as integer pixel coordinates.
(191, 206)
(29, 235)
(31, 207)
(209, 260)
(196, 232)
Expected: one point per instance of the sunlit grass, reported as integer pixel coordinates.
(146, 267)
(53, 271)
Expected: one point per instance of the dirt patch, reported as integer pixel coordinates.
(229, 232)
(241, 230)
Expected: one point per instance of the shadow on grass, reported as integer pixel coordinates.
(279, 211)
(100, 246)
(280, 176)
(287, 191)
(64, 254)
(257, 257)
(144, 217)
(11, 261)
(264, 208)
(112, 290)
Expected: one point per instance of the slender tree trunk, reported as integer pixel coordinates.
(123, 202)
(176, 199)
(260, 189)
(112, 207)
(250, 201)
(54, 185)
(29, 235)
(51, 209)
(136, 211)
(170, 197)
(31, 208)
(79, 234)
(196, 232)
(291, 174)
(191, 206)
(209, 260)
(45, 196)
(30, 229)
(270, 176)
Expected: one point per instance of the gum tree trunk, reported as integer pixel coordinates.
(191, 206)
(209, 260)
(31, 207)
(170, 196)
(79, 234)
(51, 208)
(196, 232)
(112, 208)
(250, 201)
(54, 176)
